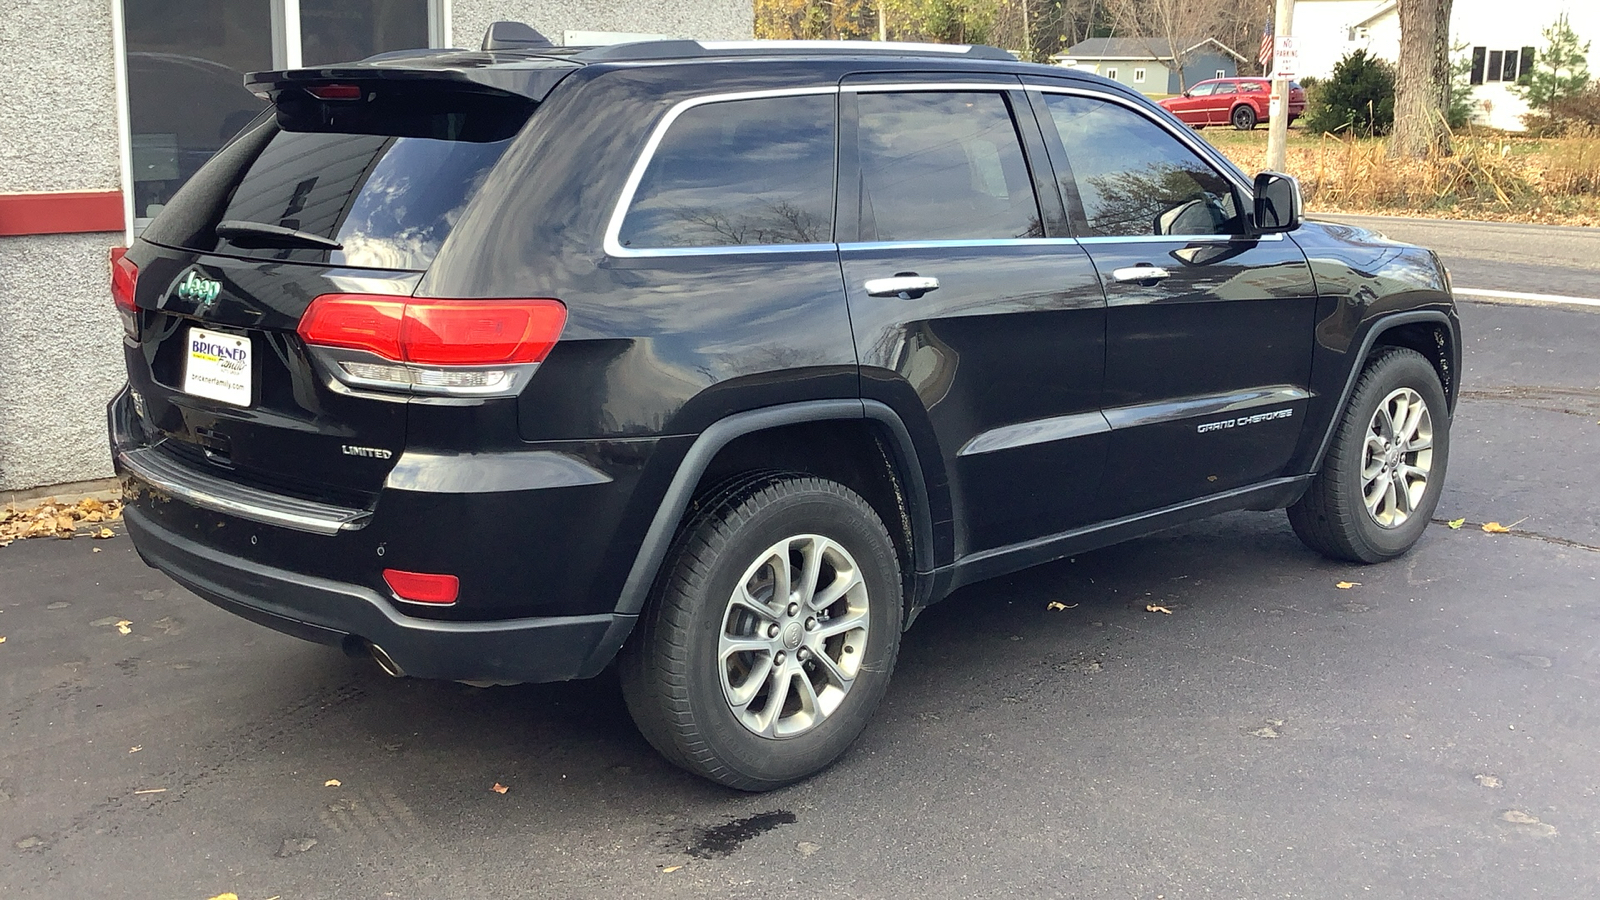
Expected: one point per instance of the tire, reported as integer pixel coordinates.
(1335, 517)
(745, 718)
(1243, 118)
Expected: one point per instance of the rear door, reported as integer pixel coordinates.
(969, 303)
(324, 198)
(1220, 110)
(1208, 331)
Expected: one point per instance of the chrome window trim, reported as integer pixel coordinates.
(611, 243)
(951, 49)
(1199, 148)
(1001, 83)
(1091, 240)
(955, 243)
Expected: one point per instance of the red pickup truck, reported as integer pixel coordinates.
(1241, 102)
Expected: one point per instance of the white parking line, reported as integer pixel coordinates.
(1529, 298)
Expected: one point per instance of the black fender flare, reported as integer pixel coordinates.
(664, 525)
(1359, 362)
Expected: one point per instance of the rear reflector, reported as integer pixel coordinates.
(421, 587)
(434, 332)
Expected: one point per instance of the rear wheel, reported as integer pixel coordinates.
(1243, 118)
(772, 638)
(1381, 479)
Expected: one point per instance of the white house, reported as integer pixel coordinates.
(1498, 39)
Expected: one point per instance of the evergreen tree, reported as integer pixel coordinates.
(1560, 71)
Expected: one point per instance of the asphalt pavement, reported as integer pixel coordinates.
(1429, 731)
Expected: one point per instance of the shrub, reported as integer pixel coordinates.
(1559, 74)
(1358, 98)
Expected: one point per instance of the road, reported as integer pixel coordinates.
(1427, 732)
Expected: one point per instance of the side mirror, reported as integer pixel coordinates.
(1278, 206)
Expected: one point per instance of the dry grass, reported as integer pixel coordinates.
(1489, 176)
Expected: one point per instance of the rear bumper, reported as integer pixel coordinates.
(554, 648)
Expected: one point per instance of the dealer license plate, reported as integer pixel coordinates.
(217, 366)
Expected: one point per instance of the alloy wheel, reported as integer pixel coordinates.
(1397, 457)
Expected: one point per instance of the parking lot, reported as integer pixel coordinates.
(1211, 714)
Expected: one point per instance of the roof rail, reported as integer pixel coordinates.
(687, 49)
(507, 35)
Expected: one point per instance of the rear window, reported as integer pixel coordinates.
(385, 178)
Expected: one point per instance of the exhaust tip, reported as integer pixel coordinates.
(385, 661)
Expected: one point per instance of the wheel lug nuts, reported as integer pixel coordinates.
(811, 624)
(778, 658)
(794, 609)
(772, 631)
(802, 654)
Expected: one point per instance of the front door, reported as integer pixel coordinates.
(1208, 332)
(972, 314)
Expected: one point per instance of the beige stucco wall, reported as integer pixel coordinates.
(60, 356)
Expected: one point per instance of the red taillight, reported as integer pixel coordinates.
(356, 322)
(124, 278)
(436, 332)
(422, 587)
(335, 91)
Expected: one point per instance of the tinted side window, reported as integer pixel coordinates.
(1133, 177)
(1203, 90)
(736, 173)
(942, 166)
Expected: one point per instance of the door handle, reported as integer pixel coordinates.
(1150, 274)
(905, 285)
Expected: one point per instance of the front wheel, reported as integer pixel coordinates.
(1381, 479)
(772, 637)
(1243, 118)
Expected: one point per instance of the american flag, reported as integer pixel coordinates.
(1265, 56)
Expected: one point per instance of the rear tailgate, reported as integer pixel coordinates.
(350, 186)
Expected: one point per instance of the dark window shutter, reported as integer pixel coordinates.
(1527, 62)
(1478, 54)
(1494, 66)
(1508, 68)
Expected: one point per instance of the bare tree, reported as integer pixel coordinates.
(1422, 82)
(1173, 28)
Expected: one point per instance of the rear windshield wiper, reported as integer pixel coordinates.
(259, 234)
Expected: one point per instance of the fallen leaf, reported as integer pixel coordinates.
(670, 869)
(1347, 585)
(94, 550)
(1054, 605)
(332, 782)
(1150, 607)
(1455, 524)
(102, 534)
(136, 749)
(2, 639)
(1495, 528)
(228, 896)
(499, 788)
(122, 626)
(152, 791)
(1488, 781)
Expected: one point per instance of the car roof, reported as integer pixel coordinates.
(531, 71)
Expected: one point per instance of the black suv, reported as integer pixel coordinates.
(722, 361)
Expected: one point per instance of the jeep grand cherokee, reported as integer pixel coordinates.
(722, 361)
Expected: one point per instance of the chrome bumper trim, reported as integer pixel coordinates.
(210, 492)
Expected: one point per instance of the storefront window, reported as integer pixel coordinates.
(186, 96)
(342, 30)
(187, 60)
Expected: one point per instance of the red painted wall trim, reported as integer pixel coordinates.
(61, 212)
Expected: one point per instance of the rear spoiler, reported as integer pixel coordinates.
(465, 70)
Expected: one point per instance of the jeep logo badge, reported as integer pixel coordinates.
(199, 288)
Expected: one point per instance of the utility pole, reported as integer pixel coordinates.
(883, 20)
(1278, 112)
